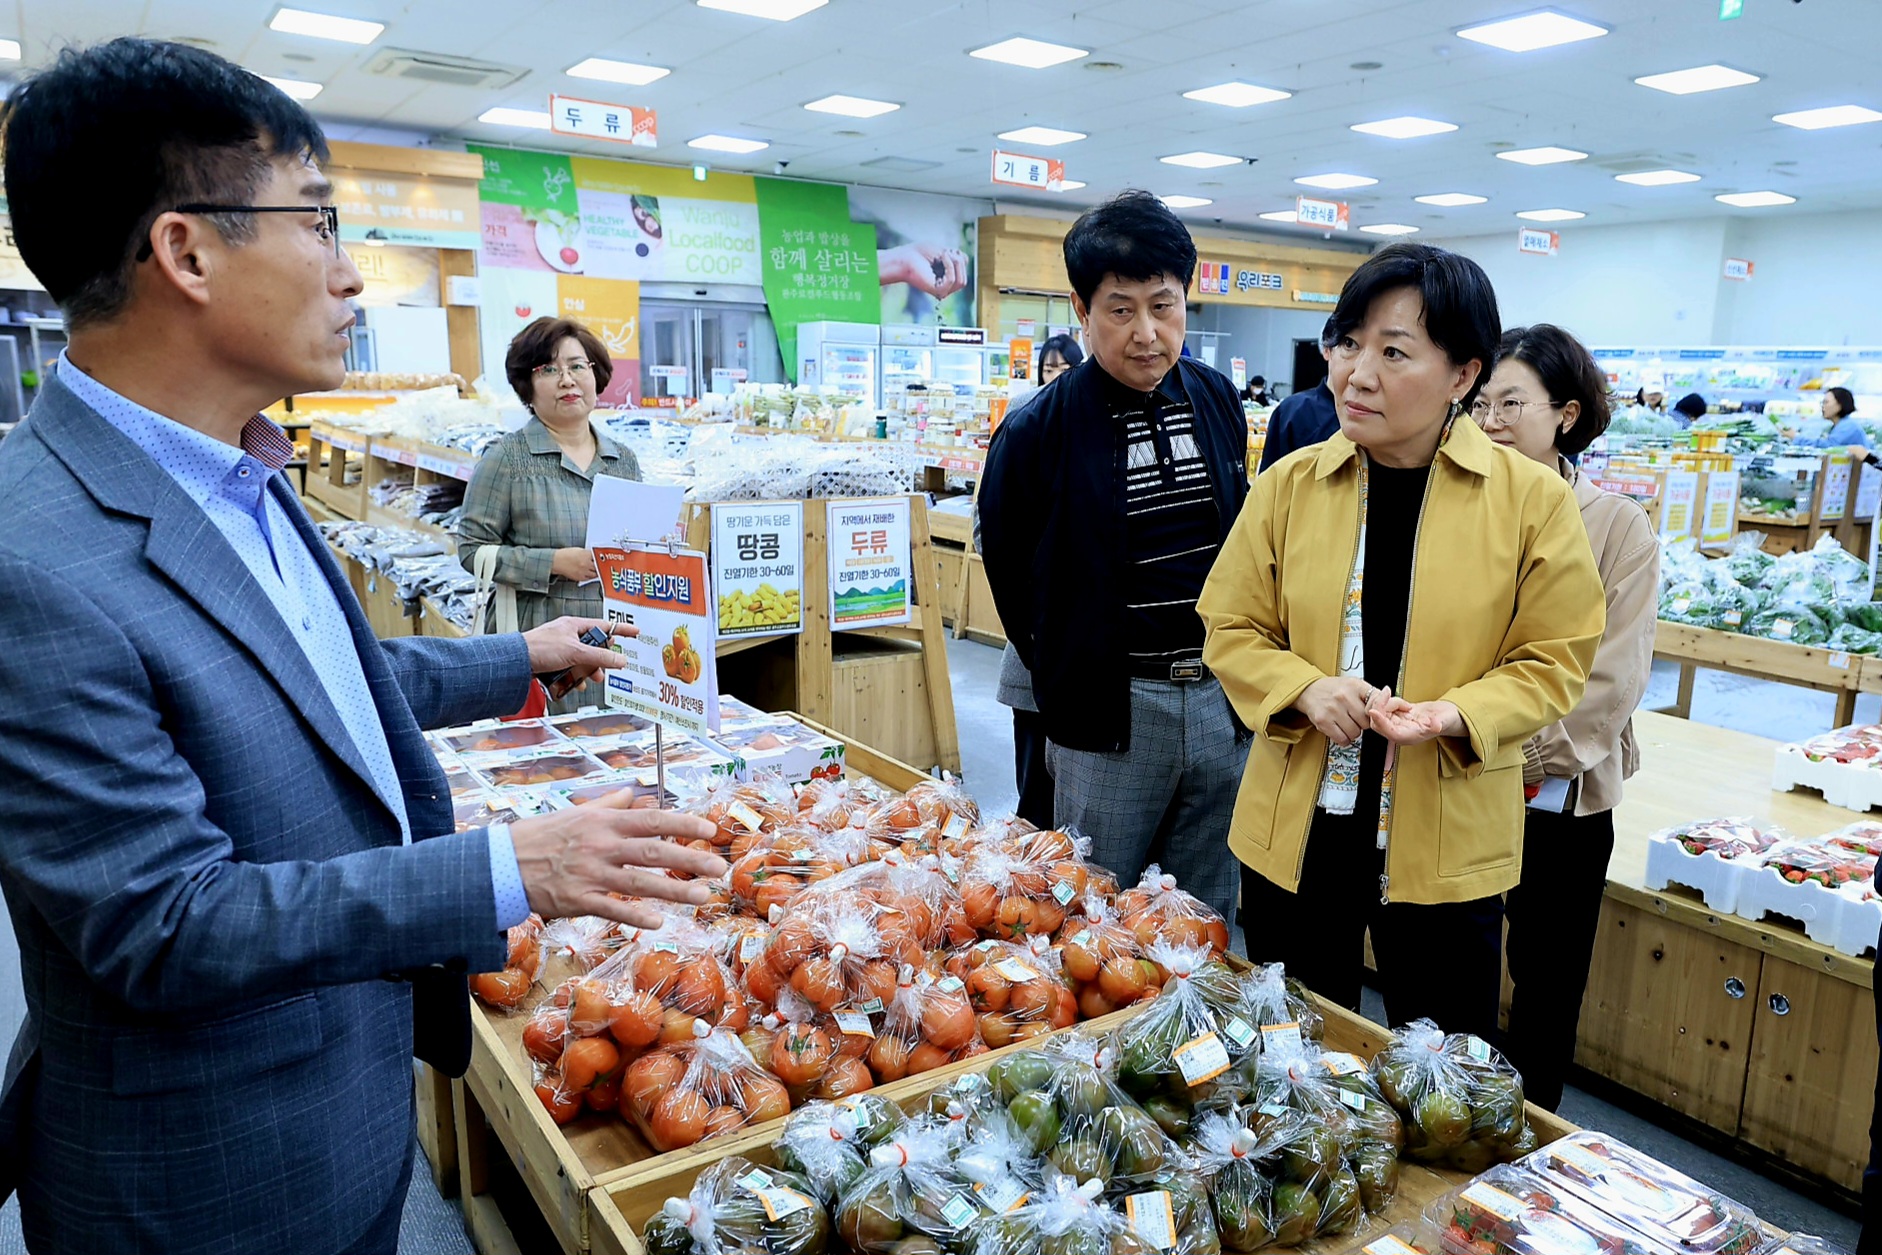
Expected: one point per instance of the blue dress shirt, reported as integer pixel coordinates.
(230, 485)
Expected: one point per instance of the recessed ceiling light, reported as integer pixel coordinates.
(1335, 182)
(1755, 200)
(1390, 228)
(776, 10)
(346, 30)
(534, 119)
(1834, 115)
(1201, 160)
(1701, 78)
(626, 72)
(1656, 178)
(852, 106)
(727, 144)
(1551, 215)
(1545, 156)
(295, 87)
(1033, 54)
(1070, 185)
(1186, 202)
(9, 50)
(1405, 128)
(1280, 215)
(1046, 136)
(1536, 30)
(1236, 95)
(1450, 200)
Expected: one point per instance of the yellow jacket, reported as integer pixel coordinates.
(1506, 613)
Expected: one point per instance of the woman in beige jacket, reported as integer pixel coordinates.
(1548, 401)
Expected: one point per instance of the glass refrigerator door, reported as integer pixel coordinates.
(960, 368)
(903, 365)
(851, 367)
(666, 353)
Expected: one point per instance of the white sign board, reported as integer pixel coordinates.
(1045, 174)
(624, 510)
(870, 568)
(1682, 498)
(596, 119)
(1542, 243)
(1738, 268)
(1328, 215)
(758, 567)
(670, 676)
(1719, 523)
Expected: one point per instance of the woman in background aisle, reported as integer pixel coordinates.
(528, 497)
(1056, 356)
(1548, 401)
(1839, 406)
(1397, 610)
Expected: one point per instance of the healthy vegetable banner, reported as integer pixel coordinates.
(817, 264)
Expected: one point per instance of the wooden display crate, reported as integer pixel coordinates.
(620, 1207)
(1825, 670)
(431, 622)
(874, 684)
(326, 470)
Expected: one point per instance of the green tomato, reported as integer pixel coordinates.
(1037, 1119)
(1296, 1214)
(1019, 1072)
(1444, 1118)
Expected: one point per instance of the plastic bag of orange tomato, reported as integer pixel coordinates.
(1158, 909)
(505, 990)
(817, 1054)
(932, 815)
(743, 810)
(928, 1023)
(1104, 961)
(1021, 884)
(1016, 990)
(682, 1094)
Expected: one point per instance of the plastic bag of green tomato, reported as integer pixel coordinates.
(1101, 1133)
(736, 1206)
(1193, 1046)
(1273, 1001)
(828, 1143)
(1066, 1217)
(1460, 1101)
(911, 1190)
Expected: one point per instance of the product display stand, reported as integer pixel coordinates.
(1825, 670)
(966, 598)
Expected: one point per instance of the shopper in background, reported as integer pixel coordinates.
(1548, 401)
(1398, 610)
(1104, 503)
(1839, 406)
(1256, 393)
(1691, 408)
(1651, 398)
(1056, 356)
(1306, 418)
(528, 497)
(229, 856)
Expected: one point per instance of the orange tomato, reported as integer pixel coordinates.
(650, 1076)
(587, 1061)
(562, 1106)
(971, 1049)
(605, 1096)
(876, 980)
(980, 901)
(1031, 999)
(846, 1077)
(947, 1020)
(1092, 1003)
(777, 889)
(1064, 1010)
(503, 989)
(700, 989)
(1122, 981)
(925, 1058)
(989, 990)
(1016, 918)
(723, 1120)
(656, 971)
(543, 1037)
(525, 954)
(1048, 915)
(819, 982)
(800, 1053)
(762, 981)
(676, 1027)
(678, 1119)
(636, 1023)
(1028, 1032)
(996, 1029)
(888, 1058)
(764, 1098)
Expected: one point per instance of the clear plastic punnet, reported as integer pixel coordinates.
(1507, 1211)
(1661, 1202)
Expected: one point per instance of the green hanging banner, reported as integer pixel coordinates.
(817, 264)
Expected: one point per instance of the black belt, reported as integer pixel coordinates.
(1182, 671)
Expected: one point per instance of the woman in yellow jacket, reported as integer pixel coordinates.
(1395, 613)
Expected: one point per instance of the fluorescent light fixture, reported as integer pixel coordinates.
(1070, 185)
(1201, 160)
(534, 119)
(1545, 156)
(1755, 200)
(1656, 178)
(1450, 200)
(294, 87)
(1045, 136)
(776, 10)
(9, 50)
(1536, 30)
(1701, 78)
(852, 106)
(1834, 115)
(1551, 215)
(345, 30)
(1335, 182)
(727, 144)
(1390, 228)
(1280, 215)
(1186, 202)
(1236, 95)
(1405, 128)
(628, 72)
(1033, 54)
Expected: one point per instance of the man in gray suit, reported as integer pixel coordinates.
(227, 852)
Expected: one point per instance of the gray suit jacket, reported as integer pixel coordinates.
(225, 947)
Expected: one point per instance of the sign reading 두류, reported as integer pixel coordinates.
(869, 563)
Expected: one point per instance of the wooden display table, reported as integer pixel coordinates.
(966, 597)
(1825, 670)
(1749, 1028)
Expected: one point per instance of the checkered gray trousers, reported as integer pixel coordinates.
(1168, 798)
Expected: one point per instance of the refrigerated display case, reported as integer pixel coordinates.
(955, 358)
(692, 348)
(840, 355)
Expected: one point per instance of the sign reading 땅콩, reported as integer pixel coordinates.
(757, 567)
(669, 677)
(594, 119)
(869, 563)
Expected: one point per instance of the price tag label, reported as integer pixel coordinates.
(1082, 937)
(1002, 1196)
(1392, 1244)
(750, 947)
(1273, 1109)
(1240, 1031)
(1152, 1216)
(1839, 660)
(949, 985)
(1340, 1063)
(780, 1202)
(1282, 1037)
(854, 1024)
(870, 1007)
(1064, 892)
(755, 1180)
(1353, 1099)
(1506, 1207)
(1477, 1048)
(746, 816)
(958, 1210)
(667, 947)
(1202, 1059)
(1016, 970)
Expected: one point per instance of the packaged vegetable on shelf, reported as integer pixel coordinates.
(742, 811)
(736, 1207)
(1020, 884)
(1015, 989)
(585, 940)
(1864, 836)
(1510, 1212)
(1731, 838)
(534, 767)
(1460, 1102)
(1279, 1186)
(1823, 862)
(1352, 1127)
(1157, 909)
(720, 1089)
(782, 862)
(929, 1022)
(1747, 562)
(1852, 639)
(828, 1143)
(1666, 1205)
(1103, 959)
(503, 737)
(1193, 1046)
(1089, 1126)
(1271, 1000)
(1065, 1217)
(1860, 745)
(933, 815)
(506, 989)
(910, 1190)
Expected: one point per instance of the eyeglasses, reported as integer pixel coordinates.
(1509, 411)
(555, 370)
(329, 228)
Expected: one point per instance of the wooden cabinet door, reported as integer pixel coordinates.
(1811, 1085)
(1660, 1016)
